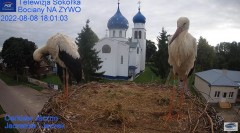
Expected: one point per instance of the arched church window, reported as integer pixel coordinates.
(135, 35)
(120, 33)
(114, 33)
(138, 50)
(106, 49)
(140, 34)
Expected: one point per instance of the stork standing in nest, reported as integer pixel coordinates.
(182, 50)
(64, 52)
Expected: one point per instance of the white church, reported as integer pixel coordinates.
(123, 58)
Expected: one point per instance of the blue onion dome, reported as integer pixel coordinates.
(118, 21)
(139, 18)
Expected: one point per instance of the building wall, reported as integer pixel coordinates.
(112, 61)
(122, 65)
(142, 41)
(134, 59)
(115, 33)
(205, 90)
(223, 90)
(109, 59)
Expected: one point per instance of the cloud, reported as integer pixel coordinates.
(215, 20)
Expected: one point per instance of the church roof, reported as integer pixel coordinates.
(132, 44)
(139, 18)
(117, 21)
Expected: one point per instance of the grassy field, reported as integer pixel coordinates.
(147, 77)
(11, 82)
(8, 80)
(36, 87)
(53, 79)
(3, 123)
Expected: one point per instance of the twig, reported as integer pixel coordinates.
(190, 120)
(199, 118)
(72, 92)
(210, 119)
(39, 127)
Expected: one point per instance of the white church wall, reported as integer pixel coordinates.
(138, 60)
(139, 25)
(134, 59)
(143, 53)
(109, 59)
(117, 33)
(141, 38)
(122, 59)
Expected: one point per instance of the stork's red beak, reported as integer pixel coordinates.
(178, 31)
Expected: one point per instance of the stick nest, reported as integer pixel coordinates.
(128, 107)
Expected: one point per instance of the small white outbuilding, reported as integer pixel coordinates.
(218, 85)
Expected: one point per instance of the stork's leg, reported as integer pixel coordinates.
(66, 82)
(169, 115)
(182, 93)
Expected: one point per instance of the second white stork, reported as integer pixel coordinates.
(64, 52)
(182, 50)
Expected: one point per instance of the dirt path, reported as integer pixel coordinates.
(21, 100)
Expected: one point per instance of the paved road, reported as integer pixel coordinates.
(21, 101)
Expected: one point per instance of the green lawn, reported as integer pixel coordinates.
(3, 123)
(8, 80)
(53, 79)
(147, 76)
(36, 87)
(11, 82)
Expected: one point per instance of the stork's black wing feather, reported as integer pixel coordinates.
(73, 65)
(60, 72)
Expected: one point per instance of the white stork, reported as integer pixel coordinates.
(182, 50)
(64, 52)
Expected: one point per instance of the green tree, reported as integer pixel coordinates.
(160, 58)
(17, 53)
(227, 55)
(150, 50)
(206, 55)
(90, 60)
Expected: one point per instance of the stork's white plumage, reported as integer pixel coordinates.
(64, 52)
(182, 50)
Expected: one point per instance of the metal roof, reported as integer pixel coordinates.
(139, 18)
(216, 77)
(118, 21)
(132, 44)
(132, 67)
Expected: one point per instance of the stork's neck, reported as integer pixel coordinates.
(182, 37)
(43, 50)
(183, 34)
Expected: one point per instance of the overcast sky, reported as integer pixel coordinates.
(215, 20)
